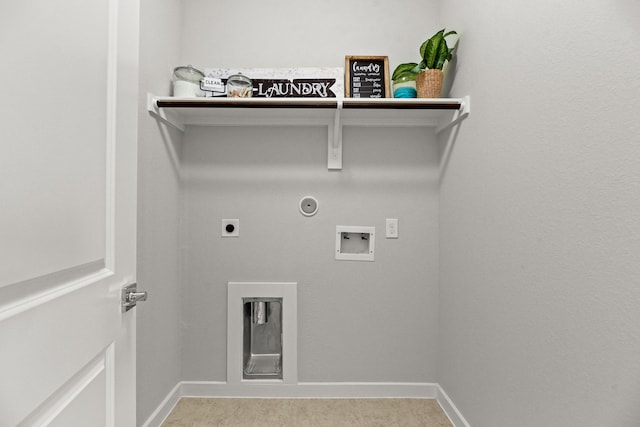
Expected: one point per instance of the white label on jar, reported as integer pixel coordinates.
(212, 84)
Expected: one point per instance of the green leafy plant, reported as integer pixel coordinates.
(405, 72)
(434, 53)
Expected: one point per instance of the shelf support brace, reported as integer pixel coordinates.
(459, 115)
(334, 144)
(152, 108)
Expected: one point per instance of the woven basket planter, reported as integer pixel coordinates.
(429, 83)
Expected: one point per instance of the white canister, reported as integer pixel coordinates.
(186, 82)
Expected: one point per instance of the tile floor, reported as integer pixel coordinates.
(204, 412)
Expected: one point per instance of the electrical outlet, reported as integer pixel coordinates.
(230, 228)
(392, 228)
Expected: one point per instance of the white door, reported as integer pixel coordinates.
(68, 129)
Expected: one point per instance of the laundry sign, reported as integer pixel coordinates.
(288, 82)
(367, 77)
(306, 88)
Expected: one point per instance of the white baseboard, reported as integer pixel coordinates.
(165, 407)
(455, 416)
(270, 389)
(309, 390)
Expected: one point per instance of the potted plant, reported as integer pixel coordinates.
(404, 80)
(428, 73)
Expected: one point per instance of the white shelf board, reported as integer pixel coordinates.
(440, 113)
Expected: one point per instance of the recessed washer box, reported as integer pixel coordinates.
(355, 243)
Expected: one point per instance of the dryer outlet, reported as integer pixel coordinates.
(230, 228)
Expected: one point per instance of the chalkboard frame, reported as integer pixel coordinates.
(348, 80)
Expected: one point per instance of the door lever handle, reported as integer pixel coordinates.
(131, 296)
(137, 296)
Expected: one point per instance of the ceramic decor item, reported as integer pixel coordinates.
(404, 80)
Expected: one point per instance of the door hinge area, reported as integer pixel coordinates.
(131, 296)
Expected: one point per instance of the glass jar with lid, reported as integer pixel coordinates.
(186, 82)
(239, 86)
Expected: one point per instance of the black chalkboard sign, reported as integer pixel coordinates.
(366, 77)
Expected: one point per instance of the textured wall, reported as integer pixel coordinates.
(539, 227)
(158, 369)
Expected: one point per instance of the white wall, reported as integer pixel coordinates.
(357, 321)
(286, 33)
(377, 179)
(539, 225)
(159, 354)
